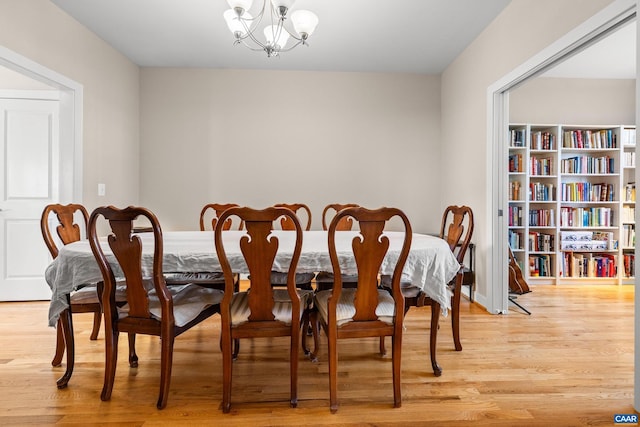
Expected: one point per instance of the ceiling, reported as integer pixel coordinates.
(405, 36)
(613, 57)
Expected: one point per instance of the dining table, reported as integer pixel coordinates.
(430, 265)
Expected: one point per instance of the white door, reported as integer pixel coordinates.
(29, 177)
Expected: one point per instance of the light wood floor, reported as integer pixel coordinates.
(569, 364)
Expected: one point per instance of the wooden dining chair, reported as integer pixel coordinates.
(261, 311)
(367, 310)
(72, 220)
(211, 279)
(324, 279)
(68, 231)
(152, 308)
(456, 229)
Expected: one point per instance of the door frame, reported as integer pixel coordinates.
(71, 107)
(592, 30)
(596, 27)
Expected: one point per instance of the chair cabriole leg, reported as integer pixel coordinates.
(455, 312)
(111, 353)
(97, 317)
(67, 331)
(333, 371)
(133, 357)
(57, 358)
(166, 362)
(435, 318)
(295, 342)
(396, 362)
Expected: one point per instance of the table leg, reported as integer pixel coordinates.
(67, 328)
(435, 318)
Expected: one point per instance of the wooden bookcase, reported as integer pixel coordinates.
(572, 202)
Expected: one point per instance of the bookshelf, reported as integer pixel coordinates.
(571, 202)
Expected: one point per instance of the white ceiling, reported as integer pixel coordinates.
(410, 36)
(613, 57)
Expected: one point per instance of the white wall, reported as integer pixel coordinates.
(547, 100)
(262, 137)
(524, 28)
(40, 31)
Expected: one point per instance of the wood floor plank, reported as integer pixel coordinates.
(569, 364)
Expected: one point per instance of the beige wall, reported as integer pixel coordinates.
(43, 33)
(13, 80)
(574, 101)
(264, 137)
(522, 30)
(369, 138)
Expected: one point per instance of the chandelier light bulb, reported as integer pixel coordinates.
(234, 22)
(304, 22)
(276, 36)
(282, 6)
(240, 5)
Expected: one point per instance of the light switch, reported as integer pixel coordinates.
(102, 189)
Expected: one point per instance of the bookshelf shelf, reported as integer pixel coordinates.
(590, 150)
(564, 174)
(574, 202)
(613, 251)
(572, 182)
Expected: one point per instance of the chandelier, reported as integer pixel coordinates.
(243, 25)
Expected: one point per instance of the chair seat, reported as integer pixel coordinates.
(89, 295)
(281, 309)
(302, 279)
(85, 295)
(346, 310)
(214, 277)
(408, 289)
(327, 277)
(188, 302)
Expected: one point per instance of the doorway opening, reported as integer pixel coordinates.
(71, 98)
(598, 27)
(41, 163)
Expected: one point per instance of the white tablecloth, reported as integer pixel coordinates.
(430, 265)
